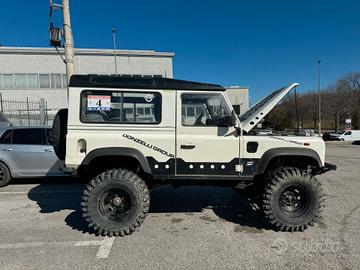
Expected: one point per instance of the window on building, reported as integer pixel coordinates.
(120, 107)
(32, 81)
(57, 81)
(52, 80)
(8, 81)
(140, 111)
(44, 80)
(20, 81)
(64, 79)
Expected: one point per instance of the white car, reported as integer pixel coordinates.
(191, 135)
(346, 135)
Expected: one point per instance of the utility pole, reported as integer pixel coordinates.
(114, 41)
(319, 97)
(69, 50)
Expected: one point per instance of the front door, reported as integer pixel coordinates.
(206, 144)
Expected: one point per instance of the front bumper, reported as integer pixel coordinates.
(327, 167)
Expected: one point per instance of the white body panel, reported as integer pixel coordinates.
(270, 142)
(258, 111)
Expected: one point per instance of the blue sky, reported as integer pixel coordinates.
(260, 44)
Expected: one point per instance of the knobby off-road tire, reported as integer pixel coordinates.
(5, 175)
(115, 202)
(292, 200)
(59, 131)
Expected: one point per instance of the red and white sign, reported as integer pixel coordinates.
(99, 103)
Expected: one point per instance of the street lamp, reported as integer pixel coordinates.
(114, 41)
(319, 97)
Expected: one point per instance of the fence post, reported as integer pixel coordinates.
(42, 111)
(46, 114)
(28, 110)
(1, 103)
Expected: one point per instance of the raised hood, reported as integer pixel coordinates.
(258, 111)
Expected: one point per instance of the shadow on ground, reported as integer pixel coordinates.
(224, 202)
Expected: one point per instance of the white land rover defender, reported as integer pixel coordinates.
(131, 134)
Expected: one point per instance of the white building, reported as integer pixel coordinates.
(239, 97)
(36, 73)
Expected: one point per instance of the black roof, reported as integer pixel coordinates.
(118, 81)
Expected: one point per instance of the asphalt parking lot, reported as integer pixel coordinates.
(187, 228)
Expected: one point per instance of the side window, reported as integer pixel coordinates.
(204, 110)
(6, 137)
(347, 133)
(27, 136)
(120, 107)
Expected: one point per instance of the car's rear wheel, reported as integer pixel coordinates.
(115, 202)
(5, 175)
(292, 199)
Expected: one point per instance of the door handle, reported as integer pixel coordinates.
(187, 146)
(49, 150)
(8, 149)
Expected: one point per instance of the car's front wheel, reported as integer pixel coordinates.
(5, 175)
(115, 202)
(292, 199)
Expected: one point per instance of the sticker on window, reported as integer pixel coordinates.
(149, 97)
(99, 103)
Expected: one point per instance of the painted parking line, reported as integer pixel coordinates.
(104, 250)
(104, 246)
(38, 192)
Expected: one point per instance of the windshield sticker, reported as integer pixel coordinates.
(99, 103)
(149, 97)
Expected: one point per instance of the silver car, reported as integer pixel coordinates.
(27, 152)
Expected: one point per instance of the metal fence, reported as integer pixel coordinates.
(26, 112)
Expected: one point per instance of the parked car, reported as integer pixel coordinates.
(27, 152)
(306, 132)
(345, 135)
(326, 136)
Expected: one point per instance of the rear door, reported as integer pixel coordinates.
(27, 151)
(52, 164)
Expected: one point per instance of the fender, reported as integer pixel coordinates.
(118, 151)
(286, 151)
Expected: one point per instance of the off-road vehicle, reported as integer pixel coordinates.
(130, 135)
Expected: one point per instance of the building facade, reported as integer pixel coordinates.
(36, 73)
(239, 98)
